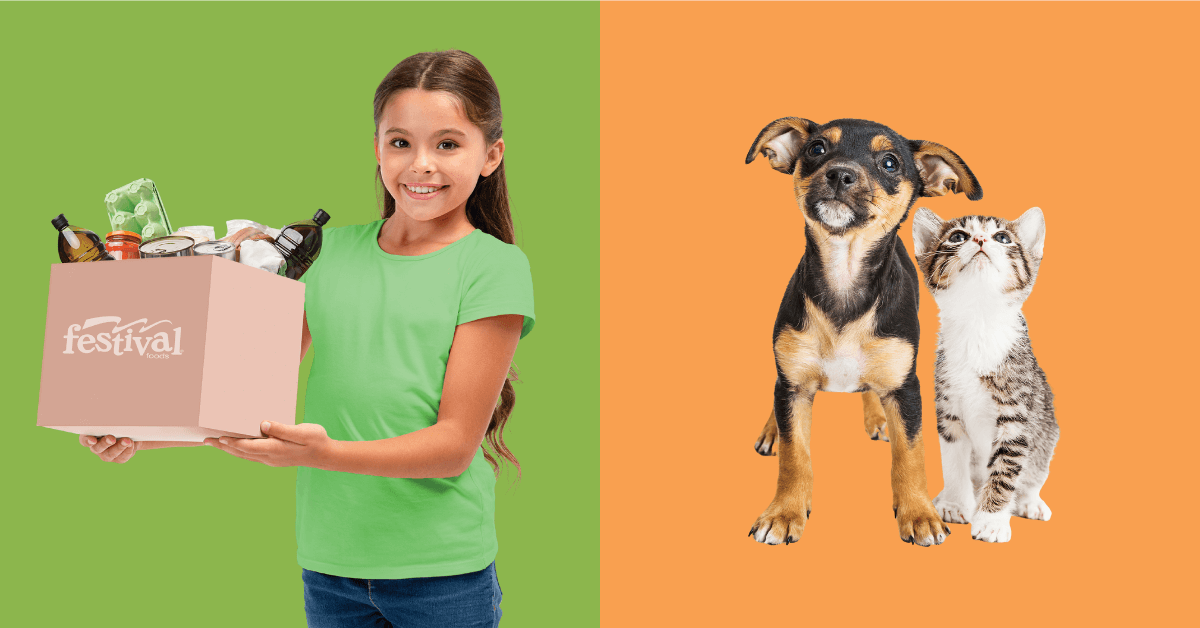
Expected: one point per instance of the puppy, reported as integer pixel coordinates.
(848, 320)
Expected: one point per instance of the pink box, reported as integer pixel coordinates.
(169, 349)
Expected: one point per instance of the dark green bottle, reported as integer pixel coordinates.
(300, 244)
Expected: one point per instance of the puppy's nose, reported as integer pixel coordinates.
(840, 177)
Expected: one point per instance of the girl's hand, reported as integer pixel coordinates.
(304, 445)
(109, 448)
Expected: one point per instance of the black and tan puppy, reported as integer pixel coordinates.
(848, 321)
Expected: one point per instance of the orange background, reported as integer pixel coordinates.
(1086, 110)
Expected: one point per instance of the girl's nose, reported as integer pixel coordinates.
(422, 163)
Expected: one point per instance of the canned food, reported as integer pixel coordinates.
(168, 246)
(216, 248)
(123, 244)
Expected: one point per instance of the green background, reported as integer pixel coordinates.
(263, 111)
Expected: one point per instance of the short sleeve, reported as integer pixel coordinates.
(498, 282)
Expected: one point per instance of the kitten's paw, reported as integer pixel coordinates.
(765, 444)
(953, 510)
(779, 524)
(991, 527)
(1033, 508)
(920, 525)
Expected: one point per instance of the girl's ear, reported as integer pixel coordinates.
(494, 155)
(377, 160)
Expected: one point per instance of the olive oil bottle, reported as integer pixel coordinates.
(78, 245)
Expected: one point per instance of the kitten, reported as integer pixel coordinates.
(995, 412)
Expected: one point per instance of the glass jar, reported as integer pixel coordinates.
(123, 244)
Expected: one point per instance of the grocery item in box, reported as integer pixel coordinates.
(76, 244)
(167, 246)
(137, 207)
(261, 255)
(234, 226)
(199, 233)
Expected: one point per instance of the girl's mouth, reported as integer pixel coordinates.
(422, 192)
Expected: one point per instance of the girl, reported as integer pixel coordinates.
(415, 319)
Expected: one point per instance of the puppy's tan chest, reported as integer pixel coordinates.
(822, 357)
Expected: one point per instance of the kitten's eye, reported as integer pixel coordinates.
(817, 149)
(957, 237)
(890, 164)
(1002, 238)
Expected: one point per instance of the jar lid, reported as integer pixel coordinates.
(125, 234)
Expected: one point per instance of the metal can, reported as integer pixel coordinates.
(123, 244)
(216, 248)
(168, 246)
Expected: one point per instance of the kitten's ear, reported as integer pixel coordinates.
(781, 142)
(943, 171)
(1031, 228)
(927, 226)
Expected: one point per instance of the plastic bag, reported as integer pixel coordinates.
(260, 254)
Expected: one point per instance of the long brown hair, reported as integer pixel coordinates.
(464, 76)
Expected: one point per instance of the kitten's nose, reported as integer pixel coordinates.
(979, 239)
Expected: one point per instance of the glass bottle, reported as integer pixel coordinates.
(300, 244)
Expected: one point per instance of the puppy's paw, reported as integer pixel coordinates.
(920, 524)
(877, 430)
(953, 510)
(1033, 508)
(779, 524)
(765, 444)
(991, 527)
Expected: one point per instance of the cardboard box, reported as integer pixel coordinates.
(169, 349)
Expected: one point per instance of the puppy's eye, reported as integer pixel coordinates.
(957, 237)
(1002, 238)
(890, 164)
(817, 149)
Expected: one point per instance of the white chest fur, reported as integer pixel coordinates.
(977, 334)
(822, 357)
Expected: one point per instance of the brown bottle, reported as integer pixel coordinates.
(300, 244)
(78, 245)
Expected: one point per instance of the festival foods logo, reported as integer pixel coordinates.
(159, 344)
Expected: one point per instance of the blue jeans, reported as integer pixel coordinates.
(466, 600)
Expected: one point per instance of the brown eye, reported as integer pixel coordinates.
(958, 236)
(890, 164)
(1002, 238)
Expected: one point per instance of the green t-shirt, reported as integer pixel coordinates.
(382, 326)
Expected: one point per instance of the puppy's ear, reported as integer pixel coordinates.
(943, 171)
(781, 142)
(1031, 228)
(927, 226)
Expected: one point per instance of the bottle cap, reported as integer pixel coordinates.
(321, 217)
(59, 222)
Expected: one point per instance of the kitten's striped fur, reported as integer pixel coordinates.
(995, 411)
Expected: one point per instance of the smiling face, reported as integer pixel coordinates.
(430, 155)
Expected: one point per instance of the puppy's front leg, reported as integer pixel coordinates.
(919, 522)
(783, 520)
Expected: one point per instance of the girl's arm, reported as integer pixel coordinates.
(480, 356)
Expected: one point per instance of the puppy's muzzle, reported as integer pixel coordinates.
(840, 195)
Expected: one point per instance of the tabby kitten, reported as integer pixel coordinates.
(995, 412)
